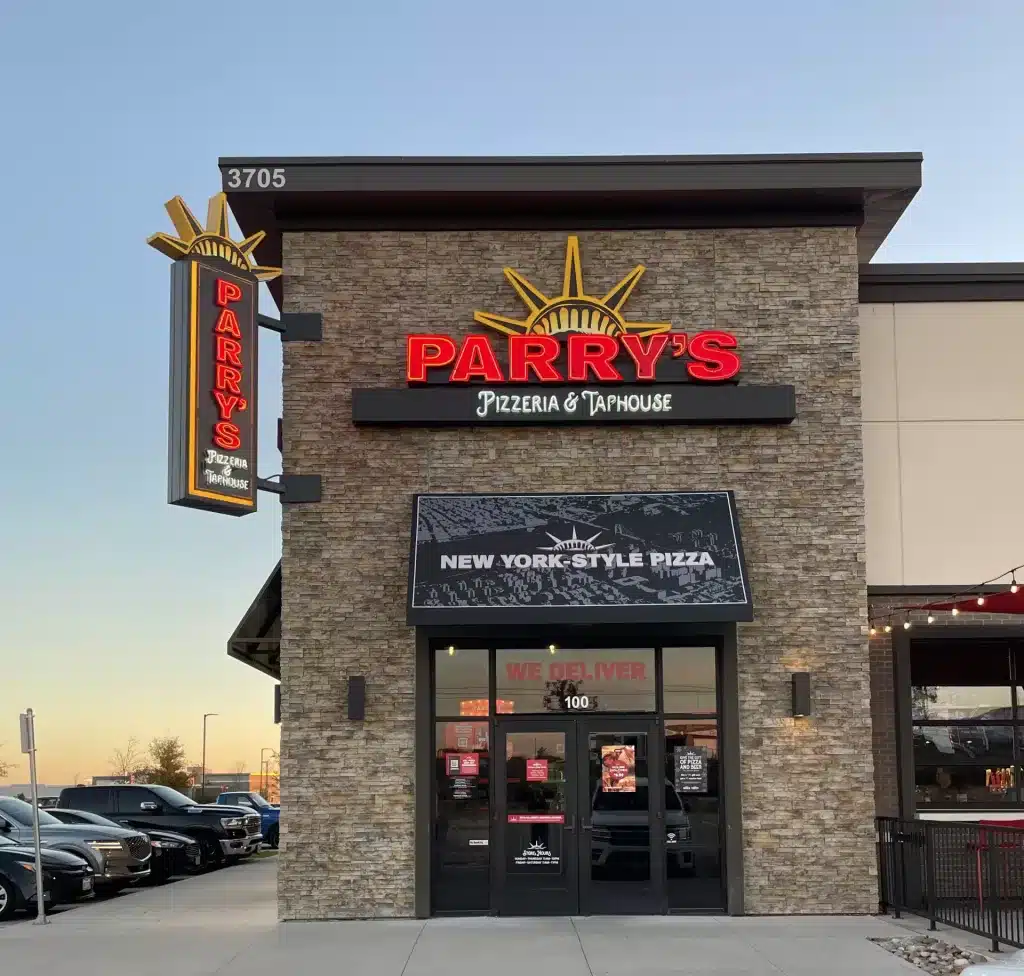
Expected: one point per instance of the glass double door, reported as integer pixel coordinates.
(580, 818)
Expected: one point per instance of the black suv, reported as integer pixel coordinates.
(224, 833)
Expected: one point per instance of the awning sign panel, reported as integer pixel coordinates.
(657, 557)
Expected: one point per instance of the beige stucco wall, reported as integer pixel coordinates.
(943, 410)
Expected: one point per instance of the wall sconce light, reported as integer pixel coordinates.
(801, 693)
(357, 698)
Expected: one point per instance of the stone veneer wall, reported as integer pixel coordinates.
(790, 295)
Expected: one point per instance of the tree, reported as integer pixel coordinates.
(168, 763)
(921, 696)
(127, 762)
(241, 766)
(555, 693)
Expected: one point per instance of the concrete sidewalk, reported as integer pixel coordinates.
(225, 923)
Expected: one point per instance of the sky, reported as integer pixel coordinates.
(116, 606)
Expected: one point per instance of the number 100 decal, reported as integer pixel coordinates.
(576, 702)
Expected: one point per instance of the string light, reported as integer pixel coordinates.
(552, 648)
(451, 651)
(970, 594)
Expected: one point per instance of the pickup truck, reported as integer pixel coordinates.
(224, 833)
(270, 813)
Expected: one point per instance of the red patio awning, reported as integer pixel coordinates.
(1005, 602)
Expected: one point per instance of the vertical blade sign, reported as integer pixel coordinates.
(213, 387)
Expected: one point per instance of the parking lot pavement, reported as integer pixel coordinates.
(225, 922)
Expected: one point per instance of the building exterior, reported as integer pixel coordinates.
(616, 656)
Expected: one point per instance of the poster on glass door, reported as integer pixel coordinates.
(618, 769)
(691, 770)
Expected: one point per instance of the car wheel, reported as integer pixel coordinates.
(8, 899)
(274, 837)
(211, 856)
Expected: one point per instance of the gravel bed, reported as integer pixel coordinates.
(932, 955)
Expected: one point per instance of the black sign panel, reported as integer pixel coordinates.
(665, 403)
(691, 770)
(660, 557)
(212, 448)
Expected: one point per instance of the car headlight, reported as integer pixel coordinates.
(167, 844)
(104, 845)
(27, 865)
(232, 822)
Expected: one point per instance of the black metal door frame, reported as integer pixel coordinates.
(514, 895)
(730, 825)
(593, 900)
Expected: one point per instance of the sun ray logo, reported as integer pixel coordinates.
(574, 543)
(537, 847)
(213, 240)
(573, 310)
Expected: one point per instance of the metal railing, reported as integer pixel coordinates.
(966, 875)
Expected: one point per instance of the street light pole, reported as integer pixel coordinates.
(264, 775)
(202, 789)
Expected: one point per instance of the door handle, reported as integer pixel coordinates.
(570, 824)
(584, 825)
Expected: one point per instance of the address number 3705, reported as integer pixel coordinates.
(249, 178)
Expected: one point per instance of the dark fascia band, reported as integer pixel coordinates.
(883, 283)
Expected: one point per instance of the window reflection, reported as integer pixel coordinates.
(569, 680)
(462, 817)
(937, 702)
(461, 685)
(963, 744)
(620, 845)
(535, 803)
(692, 775)
(689, 677)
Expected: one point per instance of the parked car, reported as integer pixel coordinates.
(65, 877)
(270, 813)
(45, 802)
(224, 833)
(171, 853)
(620, 825)
(118, 857)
